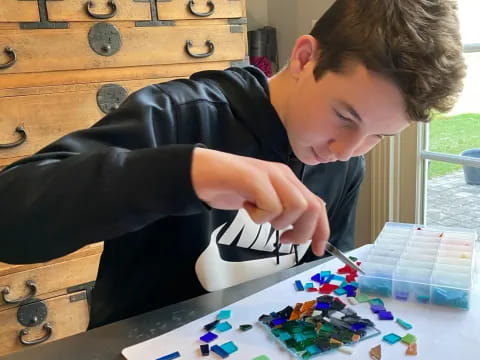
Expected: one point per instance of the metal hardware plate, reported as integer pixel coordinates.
(238, 21)
(78, 297)
(32, 313)
(154, 15)
(110, 96)
(105, 39)
(44, 23)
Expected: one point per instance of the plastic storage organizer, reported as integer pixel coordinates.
(421, 263)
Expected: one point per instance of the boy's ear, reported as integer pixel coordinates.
(305, 50)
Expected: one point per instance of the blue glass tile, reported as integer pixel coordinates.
(377, 308)
(284, 336)
(223, 326)
(298, 285)
(349, 287)
(316, 278)
(357, 326)
(224, 314)
(339, 291)
(403, 324)
(313, 349)
(322, 306)
(401, 295)
(205, 349)
(308, 285)
(279, 321)
(229, 347)
(211, 325)
(171, 356)
(208, 337)
(351, 293)
(392, 338)
(219, 351)
(385, 315)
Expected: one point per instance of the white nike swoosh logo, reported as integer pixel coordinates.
(214, 273)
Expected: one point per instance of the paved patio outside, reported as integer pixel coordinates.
(452, 202)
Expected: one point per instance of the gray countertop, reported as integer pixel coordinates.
(106, 342)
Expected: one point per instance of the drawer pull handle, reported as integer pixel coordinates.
(33, 290)
(191, 6)
(211, 49)
(23, 137)
(24, 332)
(13, 58)
(90, 4)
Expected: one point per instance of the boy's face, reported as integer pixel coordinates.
(341, 115)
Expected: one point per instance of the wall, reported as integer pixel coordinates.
(257, 13)
(293, 18)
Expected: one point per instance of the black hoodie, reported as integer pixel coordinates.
(126, 181)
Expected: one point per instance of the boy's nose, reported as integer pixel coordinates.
(343, 151)
(344, 154)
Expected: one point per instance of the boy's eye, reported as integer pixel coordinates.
(341, 117)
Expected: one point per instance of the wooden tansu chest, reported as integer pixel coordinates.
(64, 64)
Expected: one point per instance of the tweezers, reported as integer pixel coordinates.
(342, 257)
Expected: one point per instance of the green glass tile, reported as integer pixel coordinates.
(327, 327)
(290, 343)
(261, 357)
(409, 339)
(361, 298)
(376, 301)
(306, 355)
(353, 258)
(277, 331)
(299, 347)
(245, 327)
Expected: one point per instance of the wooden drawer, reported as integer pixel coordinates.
(48, 113)
(69, 49)
(76, 10)
(48, 279)
(65, 315)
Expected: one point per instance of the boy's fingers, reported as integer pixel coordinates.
(293, 202)
(262, 203)
(321, 234)
(312, 225)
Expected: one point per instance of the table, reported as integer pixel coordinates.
(442, 332)
(106, 342)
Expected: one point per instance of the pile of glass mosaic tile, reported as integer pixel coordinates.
(317, 326)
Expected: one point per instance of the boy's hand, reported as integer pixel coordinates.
(269, 192)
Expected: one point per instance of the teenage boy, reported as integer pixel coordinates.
(187, 181)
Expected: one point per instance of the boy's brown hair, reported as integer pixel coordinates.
(414, 43)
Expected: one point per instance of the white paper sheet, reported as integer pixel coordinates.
(442, 332)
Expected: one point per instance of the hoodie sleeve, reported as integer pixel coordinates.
(122, 174)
